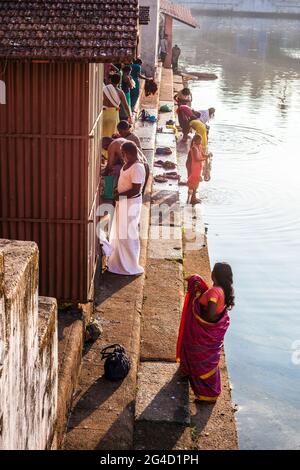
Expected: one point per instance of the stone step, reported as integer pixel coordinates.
(70, 345)
(162, 395)
(146, 135)
(162, 408)
(165, 242)
(163, 295)
(165, 140)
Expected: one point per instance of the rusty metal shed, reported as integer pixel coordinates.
(50, 129)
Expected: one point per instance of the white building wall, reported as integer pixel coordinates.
(149, 37)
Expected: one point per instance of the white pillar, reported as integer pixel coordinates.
(149, 37)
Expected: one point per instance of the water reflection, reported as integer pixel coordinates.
(251, 206)
(265, 48)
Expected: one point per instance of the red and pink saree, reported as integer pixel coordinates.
(200, 343)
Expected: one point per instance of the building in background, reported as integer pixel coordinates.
(149, 36)
(170, 12)
(51, 62)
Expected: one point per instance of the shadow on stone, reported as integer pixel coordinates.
(202, 417)
(162, 408)
(94, 397)
(119, 436)
(109, 284)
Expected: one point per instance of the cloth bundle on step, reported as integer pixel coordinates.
(165, 108)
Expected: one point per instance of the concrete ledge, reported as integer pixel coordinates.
(162, 394)
(47, 319)
(48, 352)
(163, 295)
(162, 436)
(18, 259)
(28, 352)
(71, 337)
(165, 140)
(162, 408)
(165, 242)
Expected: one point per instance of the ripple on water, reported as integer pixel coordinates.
(251, 205)
(241, 141)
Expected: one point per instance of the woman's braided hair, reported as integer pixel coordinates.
(223, 275)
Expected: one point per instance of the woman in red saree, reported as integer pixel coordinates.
(204, 322)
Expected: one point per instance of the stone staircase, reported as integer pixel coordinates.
(151, 408)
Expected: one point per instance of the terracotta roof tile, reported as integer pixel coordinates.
(85, 30)
(178, 12)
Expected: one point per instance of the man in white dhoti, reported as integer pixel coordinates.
(124, 237)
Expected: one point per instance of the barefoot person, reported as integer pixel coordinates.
(194, 167)
(124, 236)
(204, 322)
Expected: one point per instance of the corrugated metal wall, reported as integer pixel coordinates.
(96, 76)
(47, 176)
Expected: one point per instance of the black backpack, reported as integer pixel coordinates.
(117, 363)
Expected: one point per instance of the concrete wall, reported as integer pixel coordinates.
(149, 37)
(247, 6)
(28, 352)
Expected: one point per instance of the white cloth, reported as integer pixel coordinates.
(135, 174)
(112, 94)
(106, 246)
(124, 236)
(204, 116)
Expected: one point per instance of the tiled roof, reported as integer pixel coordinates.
(85, 30)
(178, 12)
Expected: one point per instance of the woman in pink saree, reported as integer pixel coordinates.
(204, 323)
